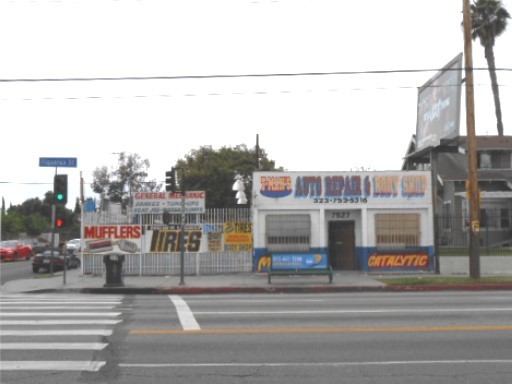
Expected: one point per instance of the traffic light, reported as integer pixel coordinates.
(60, 189)
(170, 180)
(59, 222)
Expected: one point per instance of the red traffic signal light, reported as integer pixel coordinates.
(59, 222)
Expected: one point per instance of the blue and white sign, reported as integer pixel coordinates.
(299, 260)
(62, 162)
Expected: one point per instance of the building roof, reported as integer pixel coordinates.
(452, 161)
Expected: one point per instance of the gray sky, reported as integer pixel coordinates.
(338, 122)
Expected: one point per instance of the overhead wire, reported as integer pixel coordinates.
(227, 76)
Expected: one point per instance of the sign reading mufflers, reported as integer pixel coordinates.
(112, 238)
(170, 202)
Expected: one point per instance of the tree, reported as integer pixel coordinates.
(118, 185)
(489, 20)
(214, 172)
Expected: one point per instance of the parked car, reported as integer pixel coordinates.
(42, 261)
(73, 246)
(12, 250)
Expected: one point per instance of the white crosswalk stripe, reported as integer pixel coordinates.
(42, 327)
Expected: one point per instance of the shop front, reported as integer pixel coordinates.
(366, 221)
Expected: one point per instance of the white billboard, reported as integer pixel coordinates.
(439, 102)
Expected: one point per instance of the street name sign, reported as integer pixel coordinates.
(64, 162)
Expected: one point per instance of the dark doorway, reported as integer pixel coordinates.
(342, 245)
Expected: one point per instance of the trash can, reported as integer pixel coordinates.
(114, 266)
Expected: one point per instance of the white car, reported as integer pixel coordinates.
(73, 245)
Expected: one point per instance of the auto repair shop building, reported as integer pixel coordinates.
(367, 221)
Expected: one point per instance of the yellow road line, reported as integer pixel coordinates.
(323, 330)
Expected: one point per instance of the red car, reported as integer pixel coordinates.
(12, 250)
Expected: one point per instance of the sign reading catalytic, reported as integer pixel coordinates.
(62, 162)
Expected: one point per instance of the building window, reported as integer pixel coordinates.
(447, 215)
(494, 160)
(504, 218)
(495, 218)
(397, 231)
(288, 233)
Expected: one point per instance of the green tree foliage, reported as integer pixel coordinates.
(214, 171)
(488, 21)
(119, 184)
(33, 218)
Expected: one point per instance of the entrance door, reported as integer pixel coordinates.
(342, 245)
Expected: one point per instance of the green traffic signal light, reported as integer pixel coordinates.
(60, 189)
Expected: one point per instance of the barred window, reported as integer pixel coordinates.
(288, 233)
(397, 231)
(504, 218)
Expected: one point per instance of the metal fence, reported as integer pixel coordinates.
(495, 233)
(168, 264)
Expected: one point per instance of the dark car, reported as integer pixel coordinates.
(42, 261)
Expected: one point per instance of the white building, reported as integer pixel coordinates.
(367, 221)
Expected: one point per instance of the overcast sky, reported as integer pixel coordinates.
(330, 122)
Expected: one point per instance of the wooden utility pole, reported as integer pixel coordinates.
(474, 203)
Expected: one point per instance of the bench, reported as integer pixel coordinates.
(299, 264)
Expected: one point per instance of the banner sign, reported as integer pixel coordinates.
(299, 260)
(237, 236)
(112, 238)
(165, 241)
(348, 188)
(170, 202)
(398, 260)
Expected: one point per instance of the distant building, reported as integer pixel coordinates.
(451, 205)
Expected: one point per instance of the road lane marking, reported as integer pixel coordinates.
(54, 307)
(60, 322)
(323, 330)
(60, 314)
(187, 319)
(52, 346)
(355, 311)
(56, 332)
(91, 366)
(303, 364)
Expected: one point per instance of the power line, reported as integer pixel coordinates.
(234, 76)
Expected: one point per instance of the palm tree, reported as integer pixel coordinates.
(489, 20)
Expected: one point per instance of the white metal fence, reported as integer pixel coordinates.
(168, 264)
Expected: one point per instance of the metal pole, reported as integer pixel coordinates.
(474, 204)
(182, 240)
(52, 239)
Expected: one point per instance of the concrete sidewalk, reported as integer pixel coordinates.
(236, 283)
(353, 281)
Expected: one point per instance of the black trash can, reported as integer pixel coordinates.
(114, 267)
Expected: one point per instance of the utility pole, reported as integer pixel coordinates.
(474, 203)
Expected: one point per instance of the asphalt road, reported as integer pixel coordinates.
(21, 269)
(420, 337)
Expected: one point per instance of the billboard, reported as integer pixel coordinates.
(439, 102)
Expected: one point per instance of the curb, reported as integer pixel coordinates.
(271, 290)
